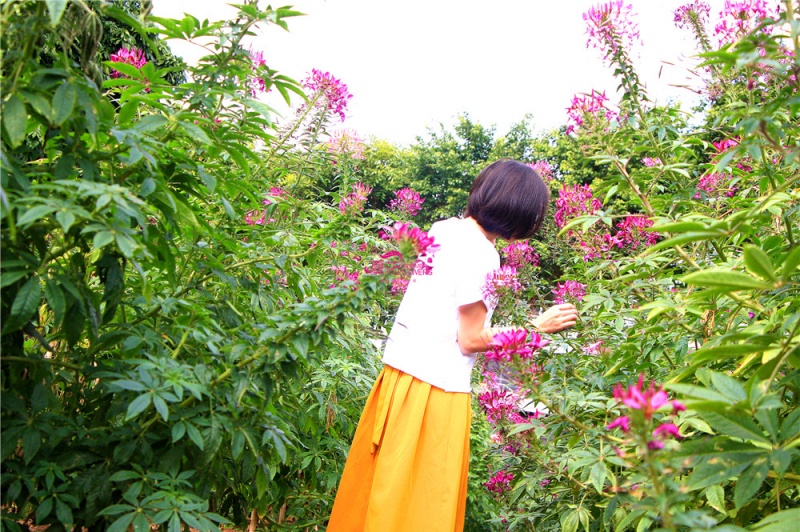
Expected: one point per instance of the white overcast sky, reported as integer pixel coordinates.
(417, 63)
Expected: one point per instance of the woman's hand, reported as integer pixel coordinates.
(556, 318)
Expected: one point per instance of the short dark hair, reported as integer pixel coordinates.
(509, 199)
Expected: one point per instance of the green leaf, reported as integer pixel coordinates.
(759, 263)
(102, 239)
(65, 218)
(44, 509)
(35, 213)
(698, 392)
(723, 352)
(209, 180)
(750, 481)
(782, 521)
(15, 120)
(237, 445)
(7, 278)
(196, 132)
(790, 263)
(161, 406)
(597, 476)
(121, 524)
(709, 474)
(64, 513)
(725, 279)
(25, 304)
(790, 426)
(64, 102)
(265, 110)
(716, 498)
(729, 386)
(195, 435)
(735, 425)
(138, 405)
(55, 9)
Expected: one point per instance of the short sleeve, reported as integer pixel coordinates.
(471, 279)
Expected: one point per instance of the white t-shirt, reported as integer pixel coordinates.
(423, 340)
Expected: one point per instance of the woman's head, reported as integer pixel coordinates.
(509, 199)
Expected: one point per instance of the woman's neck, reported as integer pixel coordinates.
(491, 237)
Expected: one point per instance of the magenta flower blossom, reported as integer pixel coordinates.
(500, 482)
(544, 169)
(520, 254)
(646, 400)
(667, 430)
(354, 201)
(652, 161)
(345, 142)
(332, 93)
(715, 185)
(589, 107)
(632, 233)
(569, 292)
(507, 344)
(499, 402)
(740, 17)
(501, 281)
(594, 348)
(623, 422)
(406, 202)
(413, 256)
(691, 14)
(610, 26)
(132, 56)
(573, 202)
(256, 83)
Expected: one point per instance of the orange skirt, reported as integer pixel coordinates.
(408, 464)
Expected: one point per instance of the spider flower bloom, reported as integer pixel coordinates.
(501, 281)
(714, 186)
(652, 161)
(346, 142)
(739, 18)
(274, 192)
(667, 430)
(589, 107)
(416, 247)
(406, 202)
(132, 56)
(569, 292)
(544, 169)
(332, 92)
(520, 254)
(500, 482)
(692, 15)
(507, 344)
(610, 26)
(354, 201)
(632, 232)
(575, 201)
(646, 400)
(499, 403)
(256, 83)
(623, 422)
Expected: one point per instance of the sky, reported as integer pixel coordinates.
(418, 64)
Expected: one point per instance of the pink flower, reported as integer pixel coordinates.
(544, 169)
(589, 107)
(631, 232)
(573, 202)
(594, 348)
(569, 291)
(256, 83)
(507, 344)
(406, 202)
(332, 93)
(354, 201)
(650, 161)
(692, 14)
(414, 255)
(715, 186)
(274, 192)
(610, 26)
(655, 445)
(637, 398)
(500, 482)
(499, 403)
(132, 56)
(345, 142)
(519, 254)
(740, 17)
(623, 422)
(501, 281)
(667, 430)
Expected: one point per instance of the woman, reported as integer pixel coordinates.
(408, 463)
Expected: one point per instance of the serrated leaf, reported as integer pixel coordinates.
(715, 496)
(15, 120)
(138, 405)
(759, 263)
(64, 102)
(25, 304)
(196, 132)
(55, 8)
(729, 386)
(735, 425)
(597, 476)
(727, 280)
(750, 481)
(778, 522)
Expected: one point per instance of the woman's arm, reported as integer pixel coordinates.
(473, 337)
